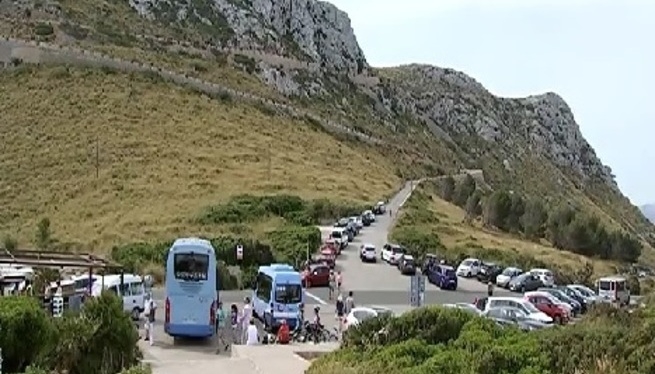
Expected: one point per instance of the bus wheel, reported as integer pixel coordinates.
(136, 314)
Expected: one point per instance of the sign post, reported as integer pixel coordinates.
(239, 252)
(417, 290)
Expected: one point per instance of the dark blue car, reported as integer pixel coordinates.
(443, 276)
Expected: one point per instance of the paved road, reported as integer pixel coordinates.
(382, 284)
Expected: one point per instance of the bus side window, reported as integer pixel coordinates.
(264, 287)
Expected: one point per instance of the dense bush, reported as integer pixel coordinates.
(136, 256)
(566, 227)
(100, 339)
(249, 208)
(292, 243)
(435, 340)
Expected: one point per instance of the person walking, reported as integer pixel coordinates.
(252, 335)
(350, 302)
(331, 285)
(234, 324)
(221, 328)
(340, 308)
(246, 318)
(339, 280)
(149, 314)
(490, 288)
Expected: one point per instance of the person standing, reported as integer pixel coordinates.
(246, 318)
(339, 280)
(490, 288)
(252, 335)
(149, 314)
(234, 324)
(340, 308)
(221, 328)
(350, 302)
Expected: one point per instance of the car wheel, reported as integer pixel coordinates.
(468, 275)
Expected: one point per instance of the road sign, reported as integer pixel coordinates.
(417, 290)
(239, 252)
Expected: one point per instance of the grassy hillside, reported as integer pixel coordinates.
(164, 154)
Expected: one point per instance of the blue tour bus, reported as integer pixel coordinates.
(191, 289)
(277, 295)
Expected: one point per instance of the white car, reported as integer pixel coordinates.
(545, 275)
(370, 215)
(391, 253)
(486, 303)
(469, 267)
(502, 280)
(358, 222)
(359, 314)
(368, 253)
(340, 234)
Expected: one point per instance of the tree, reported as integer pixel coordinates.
(473, 208)
(43, 234)
(464, 189)
(533, 219)
(447, 187)
(517, 208)
(496, 209)
(556, 225)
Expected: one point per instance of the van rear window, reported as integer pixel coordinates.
(336, 234)
(191, 266)
(288, 294)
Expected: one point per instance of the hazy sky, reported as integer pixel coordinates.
(598, 55)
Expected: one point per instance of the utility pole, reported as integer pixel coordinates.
(97, 157)
(269, 162)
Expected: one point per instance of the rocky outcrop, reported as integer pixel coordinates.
(462, 108)
(305, 29)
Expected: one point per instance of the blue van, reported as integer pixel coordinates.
(278, 295)
(443, 276)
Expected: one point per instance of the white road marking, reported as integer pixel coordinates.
(316, 298)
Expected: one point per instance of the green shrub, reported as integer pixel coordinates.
(291, 244)
(138, 369)
(25, 332)
(43, 29)
(634, 285)
(417, 241)
(249, 208)
(255, 253)
(135, 257)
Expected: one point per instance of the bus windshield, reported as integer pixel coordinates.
(288, 294)
(191, 266)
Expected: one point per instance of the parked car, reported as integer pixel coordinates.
(342, 222)
(576, 307)
(341, 235)
(489, 271)
(332, 245)
(470, 308)
(469, 267)
(327, 257)
(546, 276)
(366, 220)
(407, 265)
(379, 208)
(367, 253)
(442, 276)
(359, 314)
(370, 215)
(508, 316)
(486, 303)
(586, 292)
(547, 303)
(358, 223)
(354, 225)
(391, 253)
(429, 260)
(503, 279)
(525, 282)
(317, 275)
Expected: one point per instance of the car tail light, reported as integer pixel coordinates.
(212, 313)
(168, 310)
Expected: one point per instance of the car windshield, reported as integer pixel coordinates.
(288, 293)
(336, 234)
(605, 285)
(191, 266)
(409, 261)
(369, 249)
(548, 274)
(467, 262)
(397, 249)
(509, 271)
(449, 272)
(529, 308)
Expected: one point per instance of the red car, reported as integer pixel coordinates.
(317, 275)
(333, 246)
(545, 303)
(327, 257)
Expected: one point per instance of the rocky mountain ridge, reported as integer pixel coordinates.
(307, 51)
(648, 210)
